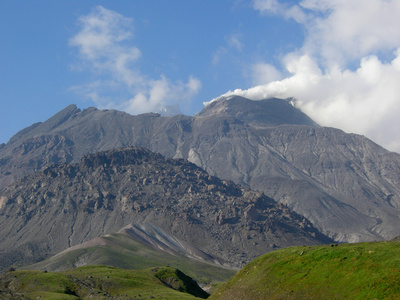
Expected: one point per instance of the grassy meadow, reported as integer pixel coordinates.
(338, 271)
(99, 282)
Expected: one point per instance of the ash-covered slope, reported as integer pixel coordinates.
(348, 186)
(139, 246)
(65, 205)
(266, 113)
(158, 239)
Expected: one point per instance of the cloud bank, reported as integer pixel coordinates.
(347, 72)
(104, 42)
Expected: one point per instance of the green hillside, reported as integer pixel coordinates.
(344, 271)
(124, 252)
(99, 282)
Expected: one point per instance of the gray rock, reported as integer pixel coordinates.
(348, 186)
(65, 205)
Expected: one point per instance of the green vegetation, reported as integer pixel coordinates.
(344, 271)
(180, 282)
(124, 252)
(99, 282)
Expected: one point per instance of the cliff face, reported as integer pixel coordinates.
(348, 186)
(67, 204)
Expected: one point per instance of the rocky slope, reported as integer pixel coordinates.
(67, 204)
(348, 186)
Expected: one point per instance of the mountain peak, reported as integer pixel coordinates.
(61, 117)
(264, 113)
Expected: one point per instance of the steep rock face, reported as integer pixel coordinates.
(344, 183)
(68, 204)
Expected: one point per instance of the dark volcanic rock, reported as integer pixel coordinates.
(68, 204)
(348, 186)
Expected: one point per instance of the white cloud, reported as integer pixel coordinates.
(343, 30)
(160, 92)
(346, 73)
(364, 101)
(105, 49)
(268, 6)
(263, 73)
(274, 7)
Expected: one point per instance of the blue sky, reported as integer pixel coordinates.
(338, 58)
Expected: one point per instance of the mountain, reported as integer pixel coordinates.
(336, 271)
(266, 113)
(68, 204)
(346, 185)
(139, 247)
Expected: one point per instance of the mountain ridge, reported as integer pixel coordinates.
(147, 249)
(68, 204)
(345, 184)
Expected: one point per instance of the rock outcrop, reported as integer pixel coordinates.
(67, 204)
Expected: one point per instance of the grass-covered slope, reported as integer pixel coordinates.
(100, 282)
(344, 271)
(122, 251)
